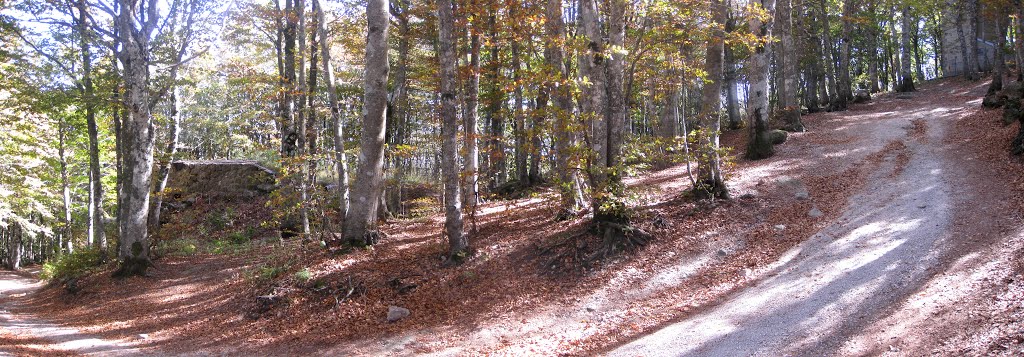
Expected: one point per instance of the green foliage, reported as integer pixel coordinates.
(303, 275)
(243, 236)
(177, 247)
(218, 220)
(640, 154)
(69, 266)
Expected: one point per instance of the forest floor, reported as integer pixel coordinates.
(889, 228)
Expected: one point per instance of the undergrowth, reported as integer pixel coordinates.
(73, 265)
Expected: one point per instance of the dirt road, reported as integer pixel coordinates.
(884, 247)
(26, 335)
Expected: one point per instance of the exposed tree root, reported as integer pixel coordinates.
(580, 252)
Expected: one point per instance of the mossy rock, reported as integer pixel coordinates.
(1012, 111)
(994, 100)
(777, 137)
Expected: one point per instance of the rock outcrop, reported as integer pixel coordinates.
(219, 178)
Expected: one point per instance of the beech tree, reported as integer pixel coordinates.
(711, 181)
(565, 138)
(136, 22)
(760, 145)
(906, 76)
(789, 56)
(457, 243)
(361, 221)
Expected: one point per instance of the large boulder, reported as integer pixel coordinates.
(220, 178)
(1012, 104)
(778, 137)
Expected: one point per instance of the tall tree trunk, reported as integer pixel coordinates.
(312, 127)
(845, 85)
(565, 138)
(291, 126)
(711, 182)
(399, 122)
(907, 79)
(916, 41)
(361, 221)
(872, 50)
(164, 170)
(829, 56)
(760, 146)
(65, 230)
(97, 235)
(789, 56)
(496, 97)
(1018, 43)
(732, 104)
(965, 15)
(522, 170)
(119, 118)
(670, 113)
(975, 24)
(999, 67)
(139, 136)
(616, 96)
(472, 117)
(457, 243)
(15, 247)
(593, 99)
(303, 115)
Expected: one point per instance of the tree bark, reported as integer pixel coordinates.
(312, 130)
(1018, 42)
(305, 115)
(965, 13)
(570, 184)
(64, 236)
(760, 146)
(907, 79)
(593, 99)
(291, 126)
(495, 99)
(164, 170)
(522, 170)
(711, 183)
(999, 67)
(829, 56)
(789, 91)
(139, 135)
(361, 221)
(471, 118)
(667, 122)
(841, 100)
(96, 234)
(731, 96)
(457, 243)
(872, 50)
(616, 93)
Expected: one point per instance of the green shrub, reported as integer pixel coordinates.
(240, 237)
(303, 275)
(180, 247)
(218, 220)
(270, 272)
(69, 266)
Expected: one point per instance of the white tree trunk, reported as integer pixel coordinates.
(361, 221)
(457, 243)
(760, 146)
(138, 132)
